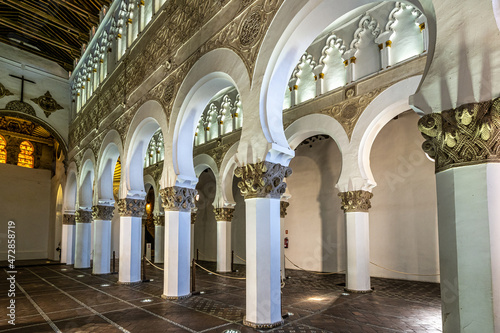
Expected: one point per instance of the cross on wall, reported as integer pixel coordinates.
(22, 84)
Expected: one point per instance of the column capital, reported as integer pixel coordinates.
(283, 206)
(69, 219)
(466, 135)
(224, 214)
(83, 216)
(194, 212)
(178, 198)
(131, 207)
(356, 201)
(262, 179)
(103, 212)
(159, 220)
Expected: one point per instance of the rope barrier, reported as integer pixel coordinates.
(225, 276)
(240, 257)
(392, 270)
(318, 273)
(161, 269)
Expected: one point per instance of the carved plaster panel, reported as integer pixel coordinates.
(83, 216)
(178, 198)
(48, 104)
(356, 201)
(21, 107)
(131, 207)
(4, 91)
(69, 219)
(224, 214)
(102, 212)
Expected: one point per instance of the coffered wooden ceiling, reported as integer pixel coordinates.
(53, 29)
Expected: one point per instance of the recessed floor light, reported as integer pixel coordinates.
(202, 292)
(63, 270)
(80, 275)
(345, 294)
(147, 300)
(105, 285)
(151, 280)
(232, 330)
(316, 298)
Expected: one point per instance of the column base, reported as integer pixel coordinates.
(100, 273)
(260, 326)
(176, 297)
(82, 267)
(129, 283)
(358, 291)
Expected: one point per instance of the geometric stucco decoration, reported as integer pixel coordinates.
(21, 106)
(47, 103)
(4, 92)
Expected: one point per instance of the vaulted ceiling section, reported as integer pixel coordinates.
(53, 29)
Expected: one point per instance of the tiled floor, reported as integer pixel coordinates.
(57, 297)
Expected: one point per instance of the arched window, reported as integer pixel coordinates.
(25, 157)
(3, 151)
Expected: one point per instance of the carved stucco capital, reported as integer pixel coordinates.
(262, 180)
(466, 135)
(178, 198)
(224, 214)
(131, 207)
(103, 212)
(356, 201)
(69, 219)
(83, 216)
(283, 206)
(159, 220)
(194, 213)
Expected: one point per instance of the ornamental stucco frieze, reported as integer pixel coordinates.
(356, 201)
(178, 198)
(224, 214)
(131, 207)
(262, 179)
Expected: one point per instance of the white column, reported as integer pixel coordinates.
(82, 238)
(469, 247)
(177, 203)
(262, 185)
(263, 295)
(159, 239)
(384, 45)
(355, 205)
(224, 216)
(350, 62)
(68, 239)
(319, 77)
(292, 85)
(143, 235)
(102, 214)
(131, 211)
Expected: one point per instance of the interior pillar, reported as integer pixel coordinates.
(468, 193)
(223, 216)
(355, 205)
(68, 238)
(159, 221)
(83, 219)
(262, 186)
(131, 211)
(177, 203)
(102, 215)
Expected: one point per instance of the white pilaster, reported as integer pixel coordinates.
(319, 75)
(102, 247)
(159, 244)
(263, 296)
(68, 244)
(469, 247)
(176, 278)
(292, 85)
(358, 251)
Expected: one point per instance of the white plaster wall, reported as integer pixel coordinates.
(403, 217)
(25, 199)
(315, 221)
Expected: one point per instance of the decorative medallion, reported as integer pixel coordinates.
(131, 207)
(262, 179)
(467, 135)
(356, 201)
(47, 103)
(83, 216)
(4, 91)
(250, 29)
(103, 212)
(178, 198)
(69, 219)
(283, 206)
(21, 107)
(224, 214)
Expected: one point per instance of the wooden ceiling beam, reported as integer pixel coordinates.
(23, 47)
(36, 13)
(15, 26)
(77, 10)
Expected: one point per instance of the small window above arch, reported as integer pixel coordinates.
(3, 151)
(25, 157)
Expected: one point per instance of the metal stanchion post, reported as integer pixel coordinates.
(232, 261)
(197, 254)
(114, 259)
(144, 269)
(193, 277)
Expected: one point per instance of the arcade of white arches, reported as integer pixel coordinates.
(337, 149)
